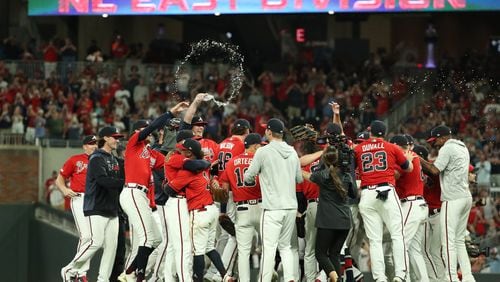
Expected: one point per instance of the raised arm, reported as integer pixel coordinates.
(188, 117)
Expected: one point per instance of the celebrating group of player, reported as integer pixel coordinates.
(414, 212)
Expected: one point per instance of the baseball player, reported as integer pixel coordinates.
(410, 189)
(75, 170)
(203, 214)
(432, 229)
(229, 148)
(379, 204)
(197, 124)
(278, 167)
(247, 200)
(452, 166)
(100, 207)
(177, 221)
(133, 198)
(311, 193)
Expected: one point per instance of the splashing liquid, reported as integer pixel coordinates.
(206, 50)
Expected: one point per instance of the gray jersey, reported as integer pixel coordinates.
(453, 163)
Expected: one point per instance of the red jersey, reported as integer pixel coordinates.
(432, 192)
(210, 149)
(196, 185)
(229, 148)
(411, 183)
(233, 175)
(376, 160)
(172, 167)
(310, 190)
(157, 161)
(75, 168)
(137, 161)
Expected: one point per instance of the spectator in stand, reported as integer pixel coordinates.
(483, 171)
(55, 124)
(68, 57)
(50, 181)
(39, 126)
(18, 121)
(95, 57)
(50, 57)
(119, 49)
(5, 119)
(30, 126)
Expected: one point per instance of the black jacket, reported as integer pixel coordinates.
(103, 185)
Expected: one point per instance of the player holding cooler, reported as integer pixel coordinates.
(379, 204)
(247, 199)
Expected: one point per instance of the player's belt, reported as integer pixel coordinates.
(313, 200)
(249, 202)
(178, 196)
(376, 185)
(137, 186)
(434, 211)
(411, 198)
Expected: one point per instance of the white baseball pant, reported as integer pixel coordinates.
(276, 230)
(310, 262)
(432, 246)
(161, 261)
(203, 229)
(454, 215)
(226, 244)
(247, 222)
(179, 244)
(82, 227)
(135, 204)
(375, 213)
(415, 213)
(103, 231)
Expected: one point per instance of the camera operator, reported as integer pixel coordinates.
(335, 186)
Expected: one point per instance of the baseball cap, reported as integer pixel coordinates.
(421, 151)
(89, 140)
(193, 146)
(198, 120)
(109, 131)
(252, 138)
(183, 134)
(378, 128)
(239, 123)
(362, 136)
(411, 141)
(333, 129)
(140, 124)
(439, 131)
(275, 125)
(399, 140)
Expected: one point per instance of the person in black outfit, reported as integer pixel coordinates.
(100, 206)
(119, 263)
(333, 219)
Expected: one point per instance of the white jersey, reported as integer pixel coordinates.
(278, 167)
(453, 163)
